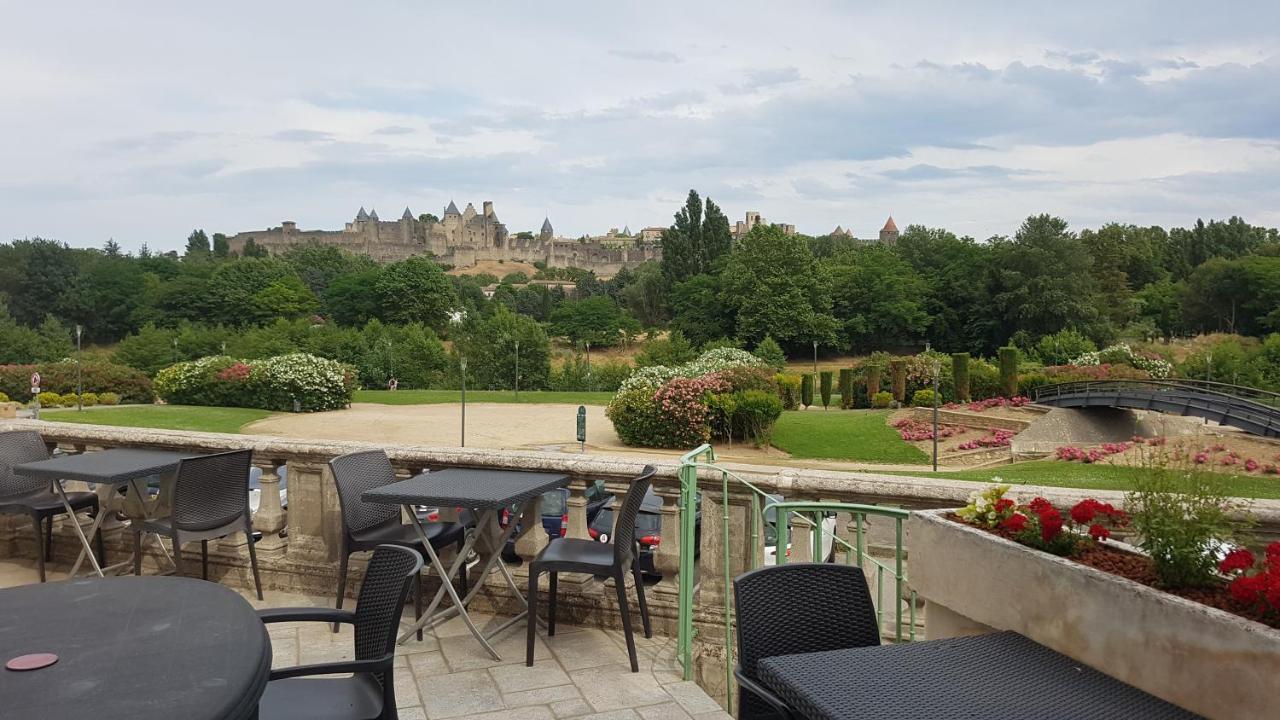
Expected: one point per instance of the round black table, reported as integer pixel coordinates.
(133, 647)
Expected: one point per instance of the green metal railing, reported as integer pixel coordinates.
(808, 515)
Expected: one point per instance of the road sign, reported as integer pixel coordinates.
(35, 379)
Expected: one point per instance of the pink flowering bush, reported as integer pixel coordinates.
(917, 430)
(981, 405)
(997, 438)
(683, 404)
(1071, 453)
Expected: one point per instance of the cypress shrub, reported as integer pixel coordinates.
(960, 375)
(824, 388)
(846, 388)
(873, 382)
(898, 376)
(806, 390)
(1009, 371)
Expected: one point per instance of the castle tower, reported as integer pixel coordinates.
(373, 215)
(407, 215)
(362, 215)
(889, 233)
(547, 232)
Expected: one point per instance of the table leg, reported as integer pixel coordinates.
(97, 527)
(86, 548)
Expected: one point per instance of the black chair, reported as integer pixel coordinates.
(588, 556)
(369, 694)
(21, 495)
(365, 526)
(796, 608)
(210, 501)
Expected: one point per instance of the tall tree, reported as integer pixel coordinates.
(775, 288)
(698, 237)
(955, 299)
(416, 290)
(878, 298)
(197, 244)
(221, 248)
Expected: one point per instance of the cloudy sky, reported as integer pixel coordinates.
(140, 121)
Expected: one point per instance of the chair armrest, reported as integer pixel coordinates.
(760, 691)
(382, 664)
(306, 614)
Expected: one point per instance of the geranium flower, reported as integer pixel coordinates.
(1247, 589)
(1098, 532)
(1237, 560)
(1016, 522)
(1050, 524)
(1084, 511)
(1038, 505)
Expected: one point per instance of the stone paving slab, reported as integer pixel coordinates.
(580, 673)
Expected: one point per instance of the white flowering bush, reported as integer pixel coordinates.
(655, 376)
(275, 383)
(1157, 368)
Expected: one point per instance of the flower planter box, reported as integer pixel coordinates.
(1200, 658)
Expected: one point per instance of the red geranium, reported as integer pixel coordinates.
(1016, 522)
(1039, 505)
(1247, 589)
(1099, 532)
(1003, 504)
(1050, 524)
(1084, 511)
(1236, 560)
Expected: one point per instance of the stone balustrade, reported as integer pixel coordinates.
(299, 545)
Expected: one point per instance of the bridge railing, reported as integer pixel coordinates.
(1248, 408)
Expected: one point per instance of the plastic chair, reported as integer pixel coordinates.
(210, 501)
(22, 495)
(588, 556)
(369, 693)
(796, 608)
(366, 526)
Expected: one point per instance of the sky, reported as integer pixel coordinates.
(140, 121)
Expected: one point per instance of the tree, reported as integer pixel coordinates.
(253, 250)
(232, 290)
(878, 297)
(285, 298)
(428, 218)
(197, 244)
(318, 265)
(1241, 295)
(672, 350)
(696, 240)
(416, 290)
(771, 353)
(20, 344)
(596, 320)
(645, 295)
(111, 248)
(775, 288)
(1157, 304)
(489, 344)
(36, 274)
(149, 349)
(221, 248)
(954, 271)
(1062, 347)
(697, 310)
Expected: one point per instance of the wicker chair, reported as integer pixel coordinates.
(210, 501)
(796, 608)
(35, 497)
(366, 526)
(370, 692)
(614, 559)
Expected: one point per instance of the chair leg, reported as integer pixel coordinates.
(342, 579)
(417, 600)
(620, 579)
(102, 547)
(204, 559)
(253, 560)
(48, 537)
(531, 619)
(551, 603)
(38, 524)
(644, 606)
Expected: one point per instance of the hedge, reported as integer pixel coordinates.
(898, 377)
(960, 376)
(846, 388)
(132, 386)
(275, 383)
(806, 390)
(824, 388)
(1009, 371)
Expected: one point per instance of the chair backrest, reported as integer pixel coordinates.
(18, 447)
(800, 608)
(211, 490)
(624, 518)
(355, 473)
(386, 584)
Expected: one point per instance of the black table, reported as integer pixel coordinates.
(486, 493)
(117, 467)
(135, 648)
(1000, 675)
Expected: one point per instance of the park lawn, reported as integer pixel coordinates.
(164, 417)
(859, 435)
(436, 397)
(1056, 473)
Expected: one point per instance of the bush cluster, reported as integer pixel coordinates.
(129, 385)
(271, 384)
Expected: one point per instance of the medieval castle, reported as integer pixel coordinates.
(461, 239)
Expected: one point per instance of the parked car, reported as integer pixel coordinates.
(648, 528)
(555, 514)
(771, 533)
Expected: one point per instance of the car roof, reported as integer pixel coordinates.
(651, 503)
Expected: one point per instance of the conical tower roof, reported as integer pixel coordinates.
(452, 209)
(373, 215)
(889, 225)
(362, 215)
(407, 215)
(546, 226)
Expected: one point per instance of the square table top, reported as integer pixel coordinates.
(114, 466)
(474, 489)
(1000, 675)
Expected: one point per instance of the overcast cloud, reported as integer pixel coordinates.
(141, 121)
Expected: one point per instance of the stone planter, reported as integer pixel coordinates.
(1205, 660)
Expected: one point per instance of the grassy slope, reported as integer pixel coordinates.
(167, 417)
(843, 435)
(432, 397)
(1055, 473)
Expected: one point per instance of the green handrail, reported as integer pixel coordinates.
(807, 513)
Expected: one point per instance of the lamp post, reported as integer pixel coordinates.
(79, 383)
(937, 370)
(815, 359)
(589, 384)
(464, 400)
(517, 369)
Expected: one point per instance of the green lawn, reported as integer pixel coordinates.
(434, 397)
(1055, 473)
(859, 435)
(166, 417)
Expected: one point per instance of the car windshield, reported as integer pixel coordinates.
(554, 503)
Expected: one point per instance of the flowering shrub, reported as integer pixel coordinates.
(96, 376)
(1038, 523)
(683, 404)
(272, 384)
(710, 361)
(981, 405)
(916, 430)
(1157, 367)
(997, 438)
(1071, 453)
(1254, 584)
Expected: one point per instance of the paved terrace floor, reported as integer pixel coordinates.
(579, 673)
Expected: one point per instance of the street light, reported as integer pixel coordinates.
(815, 358)
(589, 385)
(937, 370)
(517, 370)
(463, 362)
(79, 383)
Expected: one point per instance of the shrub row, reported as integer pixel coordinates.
(275, 383)
(127, 384)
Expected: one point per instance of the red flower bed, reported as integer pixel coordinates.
(997, 438)
(981, 405)
(916, 430)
